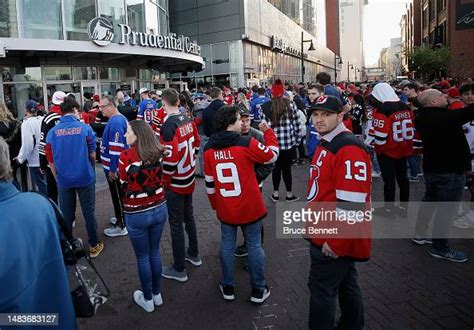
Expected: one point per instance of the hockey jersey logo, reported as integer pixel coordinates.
(313, 179)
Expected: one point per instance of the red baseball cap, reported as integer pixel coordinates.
(454, 93)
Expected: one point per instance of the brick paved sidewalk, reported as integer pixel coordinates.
(403, 287)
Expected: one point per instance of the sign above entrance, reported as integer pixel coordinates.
(279, 45)
(101, 32)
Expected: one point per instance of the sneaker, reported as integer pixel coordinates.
(259, 296)
(113, 220)
(96, 250)
(195, 261)
(463, 222)
(139, 299)
(74, 224)
(450, 254)
(274, 198)
(115, 231)
(241, 251)
(402, 211)
(157, 300)
(421, 240)
(376, 174)
(291, 199)
(171, 273)
(384, 212)
(413, 179)
(227, 292)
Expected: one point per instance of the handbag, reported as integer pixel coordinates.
(90, 289)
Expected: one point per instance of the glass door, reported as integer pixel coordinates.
(88, 87)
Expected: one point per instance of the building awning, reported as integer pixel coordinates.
(35, 52)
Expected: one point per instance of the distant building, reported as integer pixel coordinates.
(434, 23)
(247, 42)
(351, 17)
(373, 74)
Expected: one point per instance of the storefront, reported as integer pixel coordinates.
(94, 46)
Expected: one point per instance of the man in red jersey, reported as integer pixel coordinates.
(229, 160)
(180, 137)
(393, 133)
(341, 175)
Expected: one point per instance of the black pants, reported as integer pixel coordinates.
(180, 209)
(394, 170)
(116, 194)
(328, 279)
(283, 166)
(51, 185)
(23, 183)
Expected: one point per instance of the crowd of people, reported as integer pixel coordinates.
(152, 149)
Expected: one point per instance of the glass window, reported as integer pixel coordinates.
(130, 73)
(8, 21)
(144, 74)
(109, 73)
(163, 22)
(220, 58)
(21, 74)
(41, 19)
(85, 73)
(78, 13)
(16, 96)
(114, 11)
(58, 73)
(109, 89)
(136, 15)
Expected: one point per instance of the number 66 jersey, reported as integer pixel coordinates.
(231, 184)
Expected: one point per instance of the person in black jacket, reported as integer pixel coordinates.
(446, 158)
(209, 113)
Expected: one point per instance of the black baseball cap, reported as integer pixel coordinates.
(244, 112)
(327, 103)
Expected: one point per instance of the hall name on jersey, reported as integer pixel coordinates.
(402, 115)
(186, 129)
(223, 155)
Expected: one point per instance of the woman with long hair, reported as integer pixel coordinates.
(283, 118)
(145, 208)
(10, 131)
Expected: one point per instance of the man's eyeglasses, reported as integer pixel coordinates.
(104, 106)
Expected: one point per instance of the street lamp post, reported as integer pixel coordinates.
(311, 47)
(348, 71)
(335, 66)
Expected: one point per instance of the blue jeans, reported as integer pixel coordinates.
(39, 180)
(414, 165)
(447, 187)
(145, 229)
(67, 204)
(375, 162)
(256, 255)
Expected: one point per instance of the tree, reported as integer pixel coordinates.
(429, 62)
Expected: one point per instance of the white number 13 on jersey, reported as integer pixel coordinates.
(358, 168)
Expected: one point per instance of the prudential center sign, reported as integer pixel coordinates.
(101, 32)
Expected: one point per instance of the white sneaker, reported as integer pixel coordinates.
(376, 174)
(113, 220)
(115, 231)
(74, 224)
(463, 222)
(139, 299)
(157, 300)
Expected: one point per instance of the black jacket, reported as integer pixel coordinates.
(208, 116)
(445, 149)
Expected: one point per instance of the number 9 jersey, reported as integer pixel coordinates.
(231, 184)
(393, 130)
(180, 138)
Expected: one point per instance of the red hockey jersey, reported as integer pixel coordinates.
(393, 130)
(158, 118)
(231, 184)
(181, 139)
(341, 174)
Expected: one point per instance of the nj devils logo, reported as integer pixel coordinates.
(313, 179)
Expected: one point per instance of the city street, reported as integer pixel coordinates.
(403, 287)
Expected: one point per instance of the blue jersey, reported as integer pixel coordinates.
(256, 112)
(145, 112)
(68, 146)
(113, 142)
